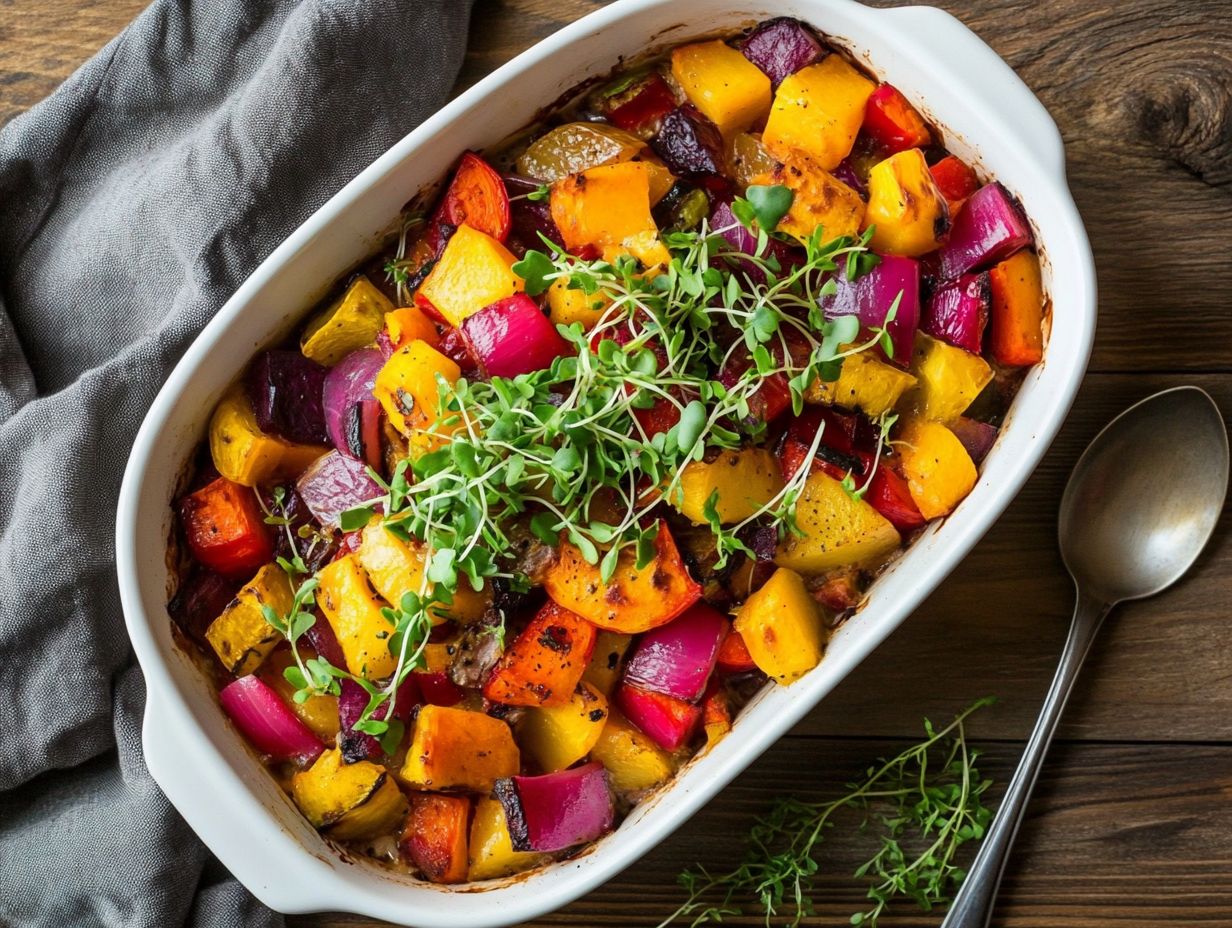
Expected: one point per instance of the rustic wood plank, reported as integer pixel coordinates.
(1118, 835)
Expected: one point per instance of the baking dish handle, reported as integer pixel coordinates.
(979, 70)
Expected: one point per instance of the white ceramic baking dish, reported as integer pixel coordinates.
(988, 116)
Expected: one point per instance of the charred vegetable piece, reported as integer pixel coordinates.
(267, 722)
(1017, 335)
(989, 228)
(818, 199)
(491, 848)
(407, 387)
(476, 197)
(689, 143)
(605, 661)
(668, 722)
(819, 111)
(939, 471)
(558, 736)
(640, 108)
(977, 437)
(678, 658)
(558, 810)
(395, 567)
(838, 530)
(907, 211)
(948, 379)
(354, 612)
(781, 625)
(863, 383)
(748, 158)
(241, 637)
(348, 801)
(512, 336)
(350, 705)
(781, 47)
(958, 310)
(434, 838)
(730, 90)
(335, 483)
(319, 713)
(893, 122)
(351, 322)
(458, 749)
(634, 600)
(576, 147)
(408, 323)
(225, 528)
(284, 388)
(474, 271)
(352, 413)
(245, 454)
(543, 666)
(895, 281)
(633, 761)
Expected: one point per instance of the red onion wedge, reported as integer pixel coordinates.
(958, 311)
(723, 221)
(335, 483)
(781, 47)
(989, 228)
(677, 658)
(557, 810)
(977, 437)
(667, 721)
(870, 296)
(358, 745)
(513, 336)
(352, 413)
(323, 640)
(267, 722)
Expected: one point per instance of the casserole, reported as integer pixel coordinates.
(215, 782)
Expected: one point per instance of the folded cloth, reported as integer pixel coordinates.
(133, 202)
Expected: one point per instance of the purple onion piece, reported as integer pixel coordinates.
(870, 296)
(989, 228)
(558, 810)
(335, 483)
(977, 437)
(957, 312)
(347, 400)
(677, 658)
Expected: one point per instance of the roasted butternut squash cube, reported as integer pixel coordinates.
(818, 110)
(241, 637)
(633, 762)
(938, 469)
(949, 379)
(474, 271)
(408, 323)
(558, 736)
(605, 661)
(865, 382)
(604, 207)
(908, 211)
(744, 479)
(569, 305)
(395, 567)
(782, 628)
(354, 613)
(435, 836)
(544, 664)
(351, 322)
(838, 530)
(459, 749)
(348, 801)
(409, 391)
(818, 199)
(244, 454)
(491, 847)
(730, 90)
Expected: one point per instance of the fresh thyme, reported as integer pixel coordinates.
(924, 804)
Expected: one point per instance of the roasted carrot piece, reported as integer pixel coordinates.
(435, 836)
(1017, 337)
(545, 663)
(225, 530)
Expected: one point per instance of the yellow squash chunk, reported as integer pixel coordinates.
(865, 382)
(246, 455)
(781, 626)
(474, 271)
(632, 761)
(354, 613)
(575, 147)
(569, 305)
(459, 749)
(557, 736)
(352, 322)
(728, 88)
(491, 848)
(949, 379)
(909, 212)
(838, 530)
(745, 480)
(604, 668)
(395, 567)
(241, 637)
(818, 199)
(409, 392)
(349, 801)
(320, 713)
(604, 207)
(818, 110)
(938, 469)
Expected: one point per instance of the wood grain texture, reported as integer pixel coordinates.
(1132, 824)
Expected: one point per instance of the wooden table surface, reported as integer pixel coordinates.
(1132, 822)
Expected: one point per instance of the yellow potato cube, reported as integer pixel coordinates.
(633, 762)
(557, 736)
(818, 110)
(244, 454)
(354, 613)
(949, 379)
(350, 801)
(240, 636)
(409, 391)
(938, 469)
(395, 567)
(567, 306)
(728, 88)
(865, 382)
(474, 271)
(781, 626)
(351, 322)
(838, 530)
(908, 211)
(745, 479)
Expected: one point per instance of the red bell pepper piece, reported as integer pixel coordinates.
(734, 656)
(651, 101)
(893, 122)
(888, 494)
(955, 180)
(226, 529)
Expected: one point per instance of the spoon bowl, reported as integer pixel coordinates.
(1144, 497)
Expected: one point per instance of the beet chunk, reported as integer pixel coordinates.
(689, 143)
(285, 389)
(781, 47)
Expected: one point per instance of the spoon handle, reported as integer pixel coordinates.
(973, 904)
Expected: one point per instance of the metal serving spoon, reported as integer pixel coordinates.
(1139, 507)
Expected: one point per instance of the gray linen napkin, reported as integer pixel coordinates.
(133, 202)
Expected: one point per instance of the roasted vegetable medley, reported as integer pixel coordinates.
(615, 432)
